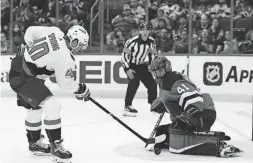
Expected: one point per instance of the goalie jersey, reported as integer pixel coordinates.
(47, 54)
(178, 92)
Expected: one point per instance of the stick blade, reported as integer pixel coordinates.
(151, 142)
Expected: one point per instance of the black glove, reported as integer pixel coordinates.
(157, 106)
(191, 117)
(83, 92)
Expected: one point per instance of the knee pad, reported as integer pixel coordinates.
(33, 119)
(52, 109)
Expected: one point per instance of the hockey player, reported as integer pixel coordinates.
(47, 52)
(192, 114)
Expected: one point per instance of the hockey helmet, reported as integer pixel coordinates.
(159, 66)
(78, 33)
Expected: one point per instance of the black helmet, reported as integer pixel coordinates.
(145, 25)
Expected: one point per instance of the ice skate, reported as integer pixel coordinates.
(39, 148)
(229, 150)
(60, 154)
(130, 111)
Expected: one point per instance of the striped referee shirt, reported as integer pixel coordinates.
(136, 50)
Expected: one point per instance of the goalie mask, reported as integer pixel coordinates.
(158, 68)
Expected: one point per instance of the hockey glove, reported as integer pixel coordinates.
(83, 92)
(191, 117)
(157, 106)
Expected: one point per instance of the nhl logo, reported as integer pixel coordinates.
(213, 73)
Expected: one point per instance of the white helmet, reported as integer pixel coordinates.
(78, 33)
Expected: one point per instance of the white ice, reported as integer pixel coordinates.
(94, 137)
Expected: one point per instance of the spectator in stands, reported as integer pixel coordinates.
(153, 11)
(246, 47)
(227, 46)
(4, 43)
(6, 31)
(216, 33)
(204, 45)
(182, 24)
(171, 9)
(125, 22)
(215, 28)
(138, 11)
(119, 40)
(186, 4)
(220, 10)
(51, 13)
(203, 24)
(80, 10)
(18, 10)
(70, 11)
(18, 35)
(161, 25)
(160, 15)
(243, 9)
(182, 45)
(5, 13)
(164, 42)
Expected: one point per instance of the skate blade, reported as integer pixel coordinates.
(59, 160)
(129, 114)
(41, 154)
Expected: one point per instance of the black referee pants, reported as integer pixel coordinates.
(141, 74)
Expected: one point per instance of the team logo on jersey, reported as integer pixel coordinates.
(213, 73)
(69, 74)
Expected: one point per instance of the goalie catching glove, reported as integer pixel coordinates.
(157, 106)
(83, 92)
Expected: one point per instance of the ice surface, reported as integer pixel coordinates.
(94, 137)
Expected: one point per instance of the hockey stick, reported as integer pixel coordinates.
(148, 141)
(162, 114)
(156, 125)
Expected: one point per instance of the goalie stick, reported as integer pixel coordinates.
(155, 140)
(162, 114)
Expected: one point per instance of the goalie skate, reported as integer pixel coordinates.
(229, 150)
(39, 148)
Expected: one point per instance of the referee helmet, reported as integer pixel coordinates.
(145, 25)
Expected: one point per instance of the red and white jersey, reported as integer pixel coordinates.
(48, 50)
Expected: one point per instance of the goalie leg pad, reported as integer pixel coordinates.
(195, 143)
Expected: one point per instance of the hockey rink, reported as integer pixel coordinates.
(95, 137)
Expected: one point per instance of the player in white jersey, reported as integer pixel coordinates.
(47, 52)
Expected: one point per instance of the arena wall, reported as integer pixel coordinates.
(226, 78)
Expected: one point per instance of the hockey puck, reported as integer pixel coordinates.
(157, 151)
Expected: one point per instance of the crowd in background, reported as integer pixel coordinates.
(208, 32)
(40, 12)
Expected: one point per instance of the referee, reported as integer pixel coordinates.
(134, 55)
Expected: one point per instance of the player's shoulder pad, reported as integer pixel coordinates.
(129, 41)
(177, 74)
(151, 38)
